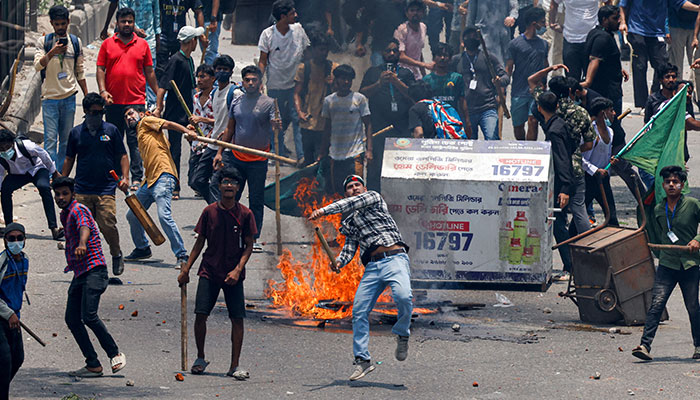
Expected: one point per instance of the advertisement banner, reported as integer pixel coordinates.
(472, 210)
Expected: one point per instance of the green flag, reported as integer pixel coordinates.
(314, 173)
(660, 142)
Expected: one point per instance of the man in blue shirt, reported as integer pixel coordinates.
(99, 147)
(13, 279)
(644, 22)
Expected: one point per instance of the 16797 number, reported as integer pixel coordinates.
(454, 241)
(517, 170)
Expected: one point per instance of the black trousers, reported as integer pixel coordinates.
(175, 139)
(201, 172)
(311, 143)
(593, 192)
(11, 356)
(114, 114)
(42, 181)
(575, 58)
(167, 48)
(646, 50)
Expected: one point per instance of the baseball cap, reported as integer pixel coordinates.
(188, 33)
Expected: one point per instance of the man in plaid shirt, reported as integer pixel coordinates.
(384, 254)
(84, 257)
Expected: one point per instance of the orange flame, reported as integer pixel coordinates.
(310, 281)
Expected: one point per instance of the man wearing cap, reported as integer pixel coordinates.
(385, 256)
(180, 68)
(13, 279)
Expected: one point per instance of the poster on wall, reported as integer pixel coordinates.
(472, 211)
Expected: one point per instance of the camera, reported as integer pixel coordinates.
(63, 41)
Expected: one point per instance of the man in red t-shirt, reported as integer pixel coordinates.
(228, 227)
(124, 64)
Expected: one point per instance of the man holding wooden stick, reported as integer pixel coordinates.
(228, 228)
(251, 119)
(13, 279)
(385, 255)
(159, 183)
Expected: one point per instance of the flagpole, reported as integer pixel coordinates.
(644, 129)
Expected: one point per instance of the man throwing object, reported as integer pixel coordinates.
(384, 254)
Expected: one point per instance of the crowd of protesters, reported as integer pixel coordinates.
(491, 47)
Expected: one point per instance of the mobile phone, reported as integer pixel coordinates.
(390, 67)
(63, 41)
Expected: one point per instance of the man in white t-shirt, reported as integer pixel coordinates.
(282, 48)
(344, 113)
(580, 16)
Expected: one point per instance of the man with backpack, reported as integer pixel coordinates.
(22, 162)
(431, 118)
(59, 58)
(313, 83)
(480, 91)
(447, 85)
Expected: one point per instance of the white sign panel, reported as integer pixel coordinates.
(472, 210)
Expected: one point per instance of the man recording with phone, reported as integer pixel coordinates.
(386, 88)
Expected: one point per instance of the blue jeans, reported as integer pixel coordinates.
(161, 193)
(664, 283)
(288, 113)
(488, 121)
(213, 48)
(58, 121)
(393, 271)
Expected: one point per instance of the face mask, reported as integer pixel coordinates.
(133, 123)
(93, 123)
(471, 44)
(223, 76)
(7, 154)
(607, 122)
(541, 31)
(15, 247)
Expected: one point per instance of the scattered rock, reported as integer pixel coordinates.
(54, 334)
(630, 392)
(547, 310)
(596, 375)
(121, 306)
(456, 327)
(614, 330)
(61, 245)
(620, 349)
(129, 383)
(135, 313)
(290, 393)
(475, 384)
(179, 377)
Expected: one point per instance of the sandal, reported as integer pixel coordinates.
(176, 195)
(199, 366)
(85, 373)
(238, 374)
(118, 362)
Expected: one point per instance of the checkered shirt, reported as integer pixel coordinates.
(73, 218)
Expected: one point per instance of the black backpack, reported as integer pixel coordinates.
(49, 42)
(22, 149)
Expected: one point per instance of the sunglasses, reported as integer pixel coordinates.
(229, 182)
(13, 238)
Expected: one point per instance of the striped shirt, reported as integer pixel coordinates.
(73, 218)
(206, 111)
(368, 226)
(345, 114)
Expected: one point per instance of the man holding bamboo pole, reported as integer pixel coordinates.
(180, 68)
(251, 119)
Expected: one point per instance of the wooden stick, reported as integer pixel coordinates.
(624, 114)
(247, 150)
(327, 249)
(669, 247)
(278, 221)
(173, 85)
(32, 334)
(375, 134)
(183, 327)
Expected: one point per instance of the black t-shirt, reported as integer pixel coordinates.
(97, 155)
(608, 79)
(420, 115)
(381, 99)
(383, 16)
(181, 70)
(172, 16)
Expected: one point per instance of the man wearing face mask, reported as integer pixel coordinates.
(180, 68)
(99, 149)
(480, 91)
(23, 162)
(13, 279)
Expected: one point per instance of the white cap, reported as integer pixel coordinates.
(188, 33)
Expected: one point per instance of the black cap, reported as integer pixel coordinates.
(14, 227)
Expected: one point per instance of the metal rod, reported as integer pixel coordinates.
(183, 327)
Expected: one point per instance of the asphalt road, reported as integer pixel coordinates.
(516, 352)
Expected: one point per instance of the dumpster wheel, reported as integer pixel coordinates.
(606, 300)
